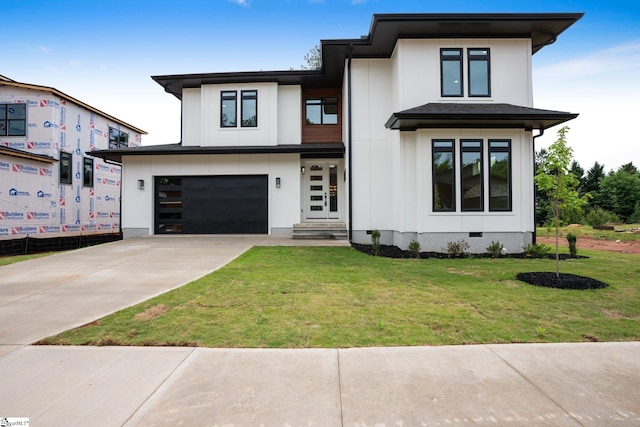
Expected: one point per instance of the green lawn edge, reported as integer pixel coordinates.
(324, 297)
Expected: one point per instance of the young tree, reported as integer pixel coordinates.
(557, 183)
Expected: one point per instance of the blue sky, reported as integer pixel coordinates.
(104, 53)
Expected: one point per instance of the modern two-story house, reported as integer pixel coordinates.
(423, 129)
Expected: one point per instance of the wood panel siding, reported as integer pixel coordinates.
(321, 133)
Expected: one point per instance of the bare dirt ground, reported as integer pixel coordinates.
(599, 244)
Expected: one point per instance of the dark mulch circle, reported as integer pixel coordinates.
(565, 281)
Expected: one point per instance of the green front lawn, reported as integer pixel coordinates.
(625, 232)
(338, 297)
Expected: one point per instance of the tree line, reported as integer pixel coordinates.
(612, 197)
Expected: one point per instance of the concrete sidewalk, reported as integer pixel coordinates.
(589, 384)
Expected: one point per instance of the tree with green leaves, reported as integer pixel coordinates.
(620, 193)
(592, 179)
(557, 183)
(313, 59)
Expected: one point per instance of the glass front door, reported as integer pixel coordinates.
(321, 191)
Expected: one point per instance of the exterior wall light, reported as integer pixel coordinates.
(278, 182)
(302, 170)
(141, 184)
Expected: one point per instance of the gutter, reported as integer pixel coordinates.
(534, 183)
(350, 137)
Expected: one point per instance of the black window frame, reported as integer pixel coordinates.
(87, 172)
(478, 58)
(229, 95)
(66, 168)
(246, 95)
(442, 149)
(471, 149)
(324, 103)
(6, 122)
(451, 58)
(117, 139)
(501, 149)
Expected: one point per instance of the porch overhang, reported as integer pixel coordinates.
(320, 150)
(463, 115)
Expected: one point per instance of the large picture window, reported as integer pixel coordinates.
(500, 175)
(228, 109)
(479, 72)
(451, 72)
(322, 111)
(444, 185)
(118, 139)
(13, 119)
(87, 172)
(249, 108)
(471, 175)
(66, 167)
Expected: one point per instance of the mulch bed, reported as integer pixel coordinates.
(564, 281)
(389, 251)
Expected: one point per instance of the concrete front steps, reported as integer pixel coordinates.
(320, 230)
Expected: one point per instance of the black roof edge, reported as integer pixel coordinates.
(14, 152)
(319, 149)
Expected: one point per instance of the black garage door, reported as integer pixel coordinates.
(226, 204)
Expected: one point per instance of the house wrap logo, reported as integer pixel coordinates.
(11, 216)
(16, 192)
(25, 169)
(4, 166)
(37, 215)
(42, 195)
(38, 145)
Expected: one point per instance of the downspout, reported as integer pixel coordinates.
(534, 182)
(349, 138)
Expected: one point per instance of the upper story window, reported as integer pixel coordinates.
(479, 72)
(66, 167)
(321, 111)
(13, 119)
(249, 108)
(117, 139)
(228, 109)
(451, 72)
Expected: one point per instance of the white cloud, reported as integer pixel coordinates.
(604, 89)
(45, 49)
(243, 3)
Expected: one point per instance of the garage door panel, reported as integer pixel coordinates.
(229, 204)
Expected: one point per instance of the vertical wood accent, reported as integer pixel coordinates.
(321, 133)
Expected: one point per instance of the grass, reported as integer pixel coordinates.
(6, 260)
(624, 232)
(297, 297)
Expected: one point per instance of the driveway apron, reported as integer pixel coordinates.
(45, 296)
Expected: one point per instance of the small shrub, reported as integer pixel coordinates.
(494, 249)
(457, 249)
(414, 248)
(598, 216)
(375, 242)
(572, 239)
(538, 250)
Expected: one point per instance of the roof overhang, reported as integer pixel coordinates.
(463, 115)
(319, 150)
(13, 152)
(386, 29)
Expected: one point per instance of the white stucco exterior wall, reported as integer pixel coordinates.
(392, 184)
(289, 115)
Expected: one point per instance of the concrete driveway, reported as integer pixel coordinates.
(588, 384)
